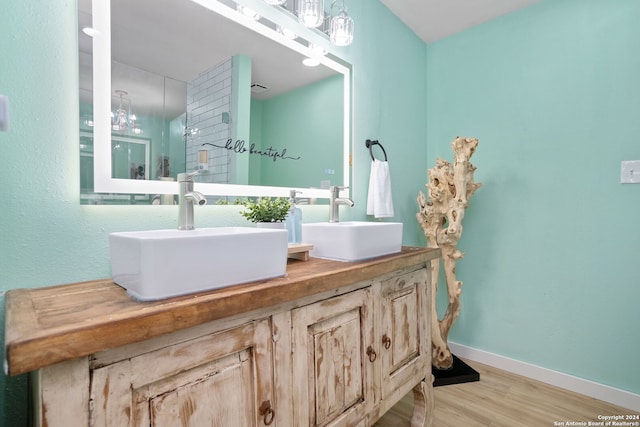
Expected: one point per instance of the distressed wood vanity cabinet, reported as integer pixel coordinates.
(330, 344)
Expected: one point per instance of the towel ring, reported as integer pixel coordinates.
(369, 144)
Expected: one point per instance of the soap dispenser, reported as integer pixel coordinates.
(293, 221)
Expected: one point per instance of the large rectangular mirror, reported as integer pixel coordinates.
(202, 87)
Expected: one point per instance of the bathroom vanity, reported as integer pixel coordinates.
(329, 344)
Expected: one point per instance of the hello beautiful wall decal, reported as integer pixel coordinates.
(239, 146)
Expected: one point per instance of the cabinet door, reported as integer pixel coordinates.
(403, 332)
(333, 360)
(223, 379)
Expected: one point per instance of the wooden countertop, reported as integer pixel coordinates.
(48, 325)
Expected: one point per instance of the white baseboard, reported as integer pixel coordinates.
(625, 399)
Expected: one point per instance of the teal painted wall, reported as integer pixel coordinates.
(389, 104)
(308, 123)
(552, 239)
(48, 238)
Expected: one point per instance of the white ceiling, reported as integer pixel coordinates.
(432, 20)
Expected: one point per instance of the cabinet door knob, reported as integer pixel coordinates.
(386, 341)
(372, 354)
(267, 412)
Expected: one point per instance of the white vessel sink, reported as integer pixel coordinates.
(352, 240)
(157, 264)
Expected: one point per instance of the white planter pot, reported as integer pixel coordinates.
(272, 225)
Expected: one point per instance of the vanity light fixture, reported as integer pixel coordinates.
(311, 13)
(341, 27)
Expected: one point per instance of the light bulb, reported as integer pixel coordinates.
(341, 29)
(311, 13)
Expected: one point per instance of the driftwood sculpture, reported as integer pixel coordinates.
(450, 187)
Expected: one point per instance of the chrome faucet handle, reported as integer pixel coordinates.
(337, 188)
(292, 195)
(187, 197)
(335, 200)
(187, 176)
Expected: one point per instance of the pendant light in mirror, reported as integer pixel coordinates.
(122, 118)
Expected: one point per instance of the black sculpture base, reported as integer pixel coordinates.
(459, 373)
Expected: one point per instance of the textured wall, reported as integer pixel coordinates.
(307, 122)
(48, 238)
(551, 273)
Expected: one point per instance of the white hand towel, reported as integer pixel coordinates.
(379, 202)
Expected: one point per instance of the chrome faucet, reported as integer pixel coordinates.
(187, 199)
(335, 201)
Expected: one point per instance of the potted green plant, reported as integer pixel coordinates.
(267, 211)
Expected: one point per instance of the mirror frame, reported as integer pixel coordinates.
(104, 183)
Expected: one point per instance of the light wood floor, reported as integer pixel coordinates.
(502, 399)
